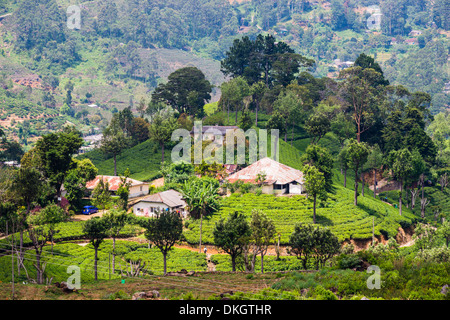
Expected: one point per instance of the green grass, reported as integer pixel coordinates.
(285, 263)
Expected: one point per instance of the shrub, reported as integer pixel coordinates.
(349, 261)
(438, 255)
(323, 294)
(122, 295)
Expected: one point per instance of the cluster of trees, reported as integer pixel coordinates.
(38, 183)
(31, 198)
(246, 240)
(9, 150)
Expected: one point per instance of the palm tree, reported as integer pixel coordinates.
(201, 197)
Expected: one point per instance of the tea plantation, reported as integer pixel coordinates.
(338, 213)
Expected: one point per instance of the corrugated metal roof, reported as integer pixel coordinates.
(114, 182)
(170, 197)
(221, 129)
(275, 172)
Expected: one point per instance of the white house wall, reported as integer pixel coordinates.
(295, 188)
(144, 209)
(138, 191)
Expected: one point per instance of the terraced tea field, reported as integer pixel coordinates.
(338, 213)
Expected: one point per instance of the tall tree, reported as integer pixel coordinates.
(201, 196)
(263, 59)
(374, 162)
(263, 233)
(27, 185)
(114, 140)
(317, 126)
(359, 91)
(320, 158)
(230, 235)
(96, 230)
(55, 151)
(357, 156)
(101, 194)
(164, 231)
(401, 165)
(314, 184)
(115, 221)
(161, 129)
(187, 90)
(76, 179)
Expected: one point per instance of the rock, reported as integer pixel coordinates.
(176, 274)
(445, 289)
(190, 273)
(364, 298)
(222, 295)
(65, 288)
(156, 294)
(138, 296)
(152, 294)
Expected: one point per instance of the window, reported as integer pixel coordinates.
(140, 188)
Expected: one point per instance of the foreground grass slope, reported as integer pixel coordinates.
(82, 255)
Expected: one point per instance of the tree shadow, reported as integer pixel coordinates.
(371, 212)
(324, 221)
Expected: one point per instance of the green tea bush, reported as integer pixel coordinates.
(320, 293)
(342, 217)
(122, 295)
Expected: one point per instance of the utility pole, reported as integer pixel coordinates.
(12, 261)
(373, 230)
(109, 268)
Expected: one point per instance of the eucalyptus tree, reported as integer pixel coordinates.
(357, 156)
(315, 185)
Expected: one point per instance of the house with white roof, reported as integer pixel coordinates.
(167, 200)
(279, 178)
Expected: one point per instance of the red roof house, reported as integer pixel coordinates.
(137, 188)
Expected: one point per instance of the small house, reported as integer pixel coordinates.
(137, 188)
(167, 200)
(411, 42)
(415, 33)
(279, 178)
(210, 132)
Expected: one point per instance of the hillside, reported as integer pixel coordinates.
(113, 65)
